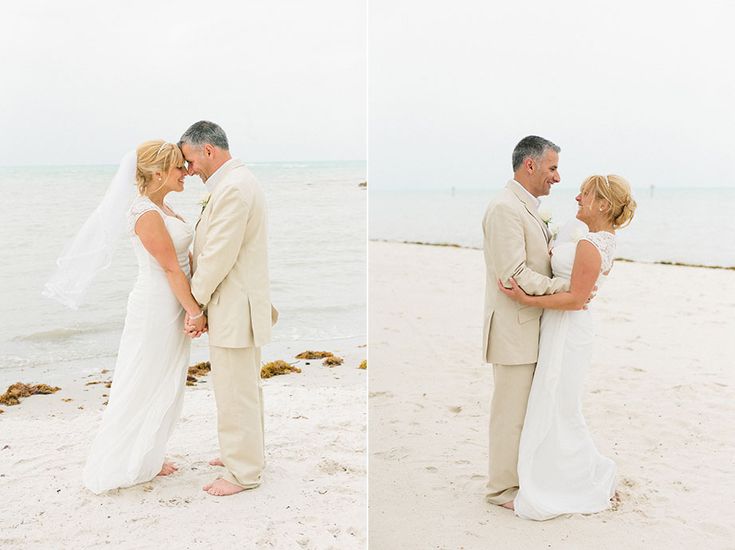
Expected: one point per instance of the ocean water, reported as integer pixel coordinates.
(690, 225)
(317, 258)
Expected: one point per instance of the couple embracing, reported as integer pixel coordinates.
(538, 335)
(211, 277)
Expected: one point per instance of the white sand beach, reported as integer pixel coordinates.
(659, 401)
(313, 494)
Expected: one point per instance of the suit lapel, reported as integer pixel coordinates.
(218, 176)
(512, 186)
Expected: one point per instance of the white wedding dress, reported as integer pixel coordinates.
(560, 470)
(150, 373)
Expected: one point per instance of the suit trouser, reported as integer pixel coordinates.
(239, 396)
(507, 413)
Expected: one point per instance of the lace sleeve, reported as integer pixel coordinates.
(605, 243)
(140, 206)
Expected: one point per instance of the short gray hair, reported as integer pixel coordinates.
(203, 132)
(534, 147)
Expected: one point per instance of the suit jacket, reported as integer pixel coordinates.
(516, 244)
(231, 261)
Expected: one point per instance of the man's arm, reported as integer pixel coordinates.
(585, 272)
(504, 230)
(225, 234)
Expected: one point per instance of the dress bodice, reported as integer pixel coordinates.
(562, 257)
(181, 233)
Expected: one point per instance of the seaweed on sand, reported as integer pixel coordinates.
(363, 364)
(314, 354)
(200, 369)
(332, 361)
(16, 391)
(107, 383)
(275, 368)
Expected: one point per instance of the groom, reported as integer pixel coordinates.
(516, 244)
(230, 280)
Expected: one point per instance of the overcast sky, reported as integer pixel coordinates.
(640, 88)
(84, 81)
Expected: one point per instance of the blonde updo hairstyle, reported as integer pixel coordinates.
(615, 191)
(155, 156)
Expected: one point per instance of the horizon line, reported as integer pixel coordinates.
(89, 165)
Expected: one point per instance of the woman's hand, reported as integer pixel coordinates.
(514, 292)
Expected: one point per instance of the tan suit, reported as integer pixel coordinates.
(516, 243)
(231, 280)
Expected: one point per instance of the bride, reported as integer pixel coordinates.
(150, 372)
(559, 468)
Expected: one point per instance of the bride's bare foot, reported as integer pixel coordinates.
(508, 505)
(216, 462)
(221, 488)
(167, 469)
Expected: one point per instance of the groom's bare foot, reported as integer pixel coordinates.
(222, 488)
(167, 469)
(508, 505)
(216, 462)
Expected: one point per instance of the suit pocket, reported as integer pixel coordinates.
(486, 336)
(529, 313)
(260, 319)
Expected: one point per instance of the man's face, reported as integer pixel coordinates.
(197, 164)
(545, 173)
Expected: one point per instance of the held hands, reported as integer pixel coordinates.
(514, 292)
(195, 326)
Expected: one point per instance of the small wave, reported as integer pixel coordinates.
(60, 334)
(10, 362)
(50, 335)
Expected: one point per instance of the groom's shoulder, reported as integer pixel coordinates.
(240, 176)
(504, 199)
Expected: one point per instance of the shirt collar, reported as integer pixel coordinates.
(211, 182)
(534, 201)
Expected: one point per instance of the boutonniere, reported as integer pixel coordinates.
(204, 201)
(545, 214)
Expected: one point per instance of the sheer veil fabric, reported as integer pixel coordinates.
(90, 252)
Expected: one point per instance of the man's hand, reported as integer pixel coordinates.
(194, 328)
(515, 292)
(592, 295)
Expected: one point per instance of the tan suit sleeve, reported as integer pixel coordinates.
(225, 235)
(504, 232)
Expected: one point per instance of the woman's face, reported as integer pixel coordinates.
(589, 208)
(175, 179)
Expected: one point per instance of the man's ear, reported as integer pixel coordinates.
(208, 150)
(529, 164)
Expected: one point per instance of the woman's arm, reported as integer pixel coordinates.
(157, 241)
(586, 270)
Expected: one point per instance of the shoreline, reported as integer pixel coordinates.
(628, 260)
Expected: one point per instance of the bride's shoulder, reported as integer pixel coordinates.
(140, 205)
(604, 242)
(601, 239)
